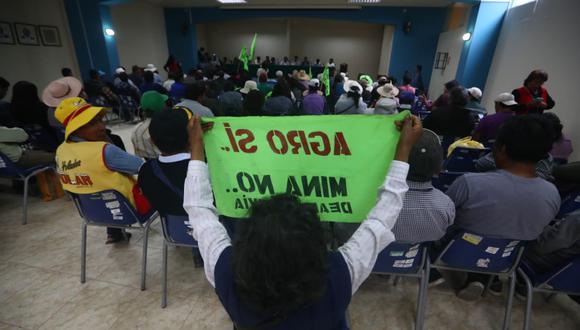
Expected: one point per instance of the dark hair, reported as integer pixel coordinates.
(312, 89)
(123, 76)
(229, 86)
(168, 130)
(253, 103)
(451, 84)
(282, 89)
(195, 90)
(93, 74)
(536, 74)
(4, 83)
(25, 105)
(263, 77)
(66, 72)
(171, 59)
(458, 97)
(526, 138)
(557, 126)
(279, 256)
(407, 79)
(355, 97)
(148, 76)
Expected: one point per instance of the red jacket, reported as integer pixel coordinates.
(525, 99)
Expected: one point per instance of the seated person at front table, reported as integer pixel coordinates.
(279, 273)
(512, 202)
(488, 126)
(87, 161)
(426, 212)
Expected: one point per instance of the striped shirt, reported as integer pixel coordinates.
(142, 141)
(426, 214)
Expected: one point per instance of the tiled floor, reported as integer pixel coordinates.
(40, 286)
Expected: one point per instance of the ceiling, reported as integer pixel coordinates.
(256, 4)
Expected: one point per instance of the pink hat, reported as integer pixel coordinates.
(61, 89)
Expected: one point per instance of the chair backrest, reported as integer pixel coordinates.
(8, 169)
(446, 141)
(463, 159)
(176, 230)
(41, 138)
(445, 179)
(569, 204)
(472, 252)
(401, 258)
(106, 208)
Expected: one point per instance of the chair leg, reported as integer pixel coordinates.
(144, 261)
(529, 299)
(423, 307)
(510, 299)
(164, 276)
(25, 202)
(83, 252)
(419, 302)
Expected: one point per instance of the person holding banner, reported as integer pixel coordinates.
(278, 272)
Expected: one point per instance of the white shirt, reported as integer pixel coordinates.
(168, 83)
(360, 252)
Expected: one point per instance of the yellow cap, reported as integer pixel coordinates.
(74, 113)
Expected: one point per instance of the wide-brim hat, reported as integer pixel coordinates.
(74, 113)
(249, 85)
(150, 67)
(349, 84)
(388, 90)
(302, 75)
(61, 89)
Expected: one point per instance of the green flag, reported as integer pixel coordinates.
(335, 162)
(253, 47)
(244, 58)
(326, 80)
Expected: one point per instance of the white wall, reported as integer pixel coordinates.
(546, 38)
(449, 42)
(140, 34)
(357, 44)
(226, 38)
(37, 64)
(361, 45)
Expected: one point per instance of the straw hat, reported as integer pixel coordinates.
(388, 90)
(61, 89)
(74, 113)
(250, 85)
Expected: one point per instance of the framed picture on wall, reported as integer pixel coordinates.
(6, 35)
(49, 35)
(26, 34)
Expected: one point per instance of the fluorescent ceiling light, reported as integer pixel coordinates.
(231, 1)
(364, 1)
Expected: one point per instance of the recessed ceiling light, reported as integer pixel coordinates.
(231, 1)
(364, 1)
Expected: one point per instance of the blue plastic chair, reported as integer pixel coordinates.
(109, 208)
(407, 259)
(177, 232)
(444, 180)
(562, 280)
(569, 204)
(463, 159)
(469, 252)
(423, 114)
(10, 170)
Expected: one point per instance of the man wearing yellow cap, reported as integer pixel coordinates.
(88, 163)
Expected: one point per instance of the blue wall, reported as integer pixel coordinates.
(417, 47)
(485, 25)
(87, 21)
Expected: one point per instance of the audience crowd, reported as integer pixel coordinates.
(278, 269)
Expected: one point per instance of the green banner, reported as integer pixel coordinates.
(336, 162)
